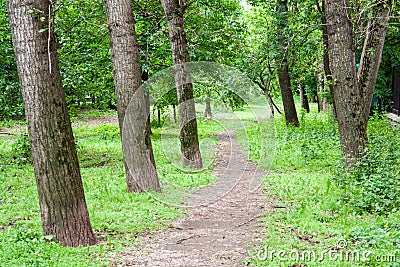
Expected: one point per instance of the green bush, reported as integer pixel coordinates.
(10, 94)
(21, 150)
(373, 185)
(377, 234)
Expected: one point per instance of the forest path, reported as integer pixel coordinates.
(217, 234)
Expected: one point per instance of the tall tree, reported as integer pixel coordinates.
(322, 102)
(61, 196)
(141, 174)
(174, 11)
(283, 65)
(304, 99)
(353, 88)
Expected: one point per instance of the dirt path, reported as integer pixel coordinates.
(217, 234)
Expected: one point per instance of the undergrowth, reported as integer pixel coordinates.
(117, 217)
(324, 214)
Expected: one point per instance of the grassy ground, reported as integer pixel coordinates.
(117, 217)
(322, 216)
(321, 209)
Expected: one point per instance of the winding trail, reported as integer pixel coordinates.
(221, 224)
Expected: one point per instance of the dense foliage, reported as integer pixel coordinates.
(229, 32)
(10, 96)
(317, 199)
(318, 202)
(373, 185)
(84, 53)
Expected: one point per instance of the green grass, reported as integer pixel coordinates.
(314, 208)
(117, 217)
(312, 214)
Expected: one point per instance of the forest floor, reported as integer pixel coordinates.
(221, 223)
(231, 219)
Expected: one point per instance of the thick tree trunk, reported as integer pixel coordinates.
(141, 174)
(61, 196)
(186, 108)
(283, 72)
(303, 99)
(351, 91)
(207, 111)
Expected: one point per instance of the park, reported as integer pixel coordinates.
(199, 133)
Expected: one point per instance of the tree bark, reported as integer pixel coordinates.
(159, 116)
(271, 104)
(141, 174)
(323, 104)
(351, 91)
(303, 99)
(149, 145)
(174, 111)
(328, 74)
(265, 88)
(283, 68)
(186, 108)
(61, 196)
(289, 107)
(207, 111)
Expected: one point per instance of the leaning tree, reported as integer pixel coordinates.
(61, 197)
(174, 11)
(141, 173)
(353, 82)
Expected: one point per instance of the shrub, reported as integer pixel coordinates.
(21, 150)
(373, 185)
(377, 234)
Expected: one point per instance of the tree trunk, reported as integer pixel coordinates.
(303, 99)
(61, 196)
(265, 87)
(271, 104)
(351, 91)
(283, 72)
(174, 110)
(141, 174)
(149, 145)
(323, 103)
(287, 97)
(186, 108)
(207, 111)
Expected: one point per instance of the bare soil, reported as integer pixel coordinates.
(221, 224)
(93, 121)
